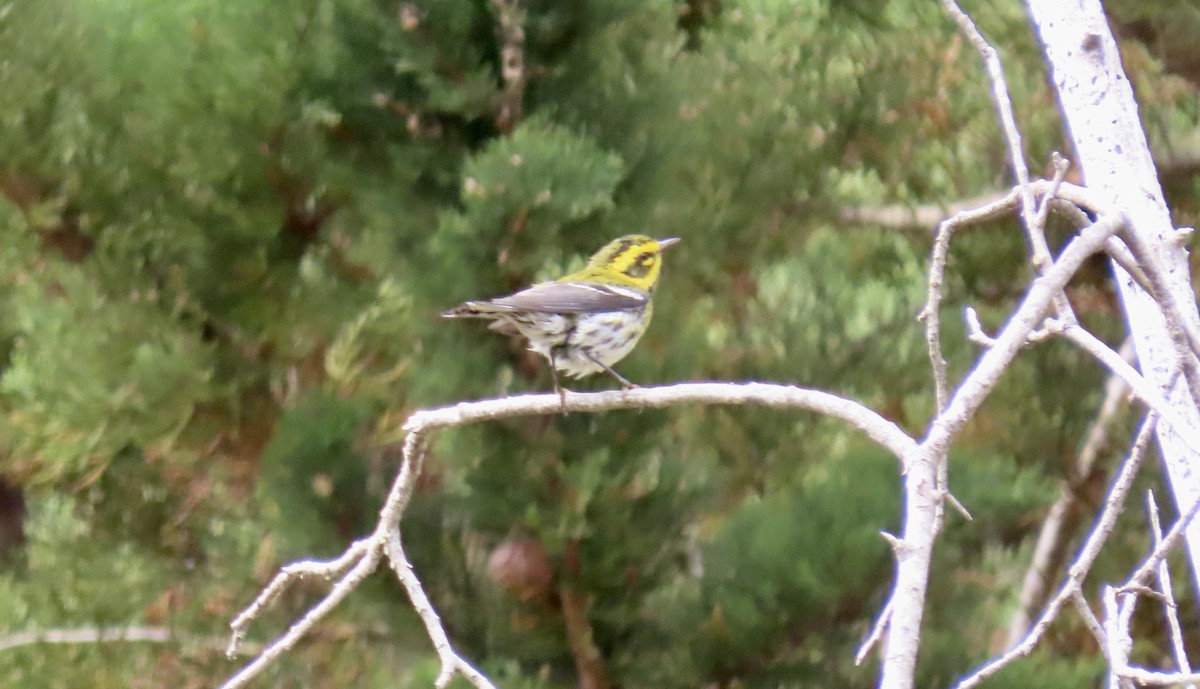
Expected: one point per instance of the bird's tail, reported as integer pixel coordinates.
(484, 309)
(472, 309)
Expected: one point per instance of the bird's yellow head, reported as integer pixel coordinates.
(634, 260)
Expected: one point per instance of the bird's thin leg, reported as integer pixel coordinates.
(624, 381)
(562, 393)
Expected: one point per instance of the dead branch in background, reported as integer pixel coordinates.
(87, 635)
(510, 28)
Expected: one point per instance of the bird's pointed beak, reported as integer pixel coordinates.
(667, 243)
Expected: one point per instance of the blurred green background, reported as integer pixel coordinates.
(229, 229)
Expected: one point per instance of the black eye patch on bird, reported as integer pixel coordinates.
(641, 265)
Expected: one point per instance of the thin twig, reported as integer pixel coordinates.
(1123, 257)
(286, 577)
(1089, 617)
(1036, 231)
(930, 312)
(1150, 564)
(452, 663)
(363, 557)
(369, 552)
(1071, 197)
(1170, 610)
(976, 333)
(1031, 311)
(1149, 678)
(1096, 438)
(921, 489)
(1116, 630)
(1141, 389)
(1107, 520)
(1062, 520)
(1061, 165)
(86, 635)
(365, 566)
(877, 630)
(1181, 330)
(1008, 122)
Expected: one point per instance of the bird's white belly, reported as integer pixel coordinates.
(606, 336)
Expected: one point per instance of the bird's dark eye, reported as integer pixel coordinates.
(640, 266)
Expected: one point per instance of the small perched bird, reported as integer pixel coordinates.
(585, 322)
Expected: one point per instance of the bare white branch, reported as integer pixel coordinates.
(1058, 526)
(86, 635)
(1089, 617)
(1111, 150)
(921, 489)
(1182, 331)
(994, 208)
(1116, 630)
(991, 365)
(364, 556)
(286, 577)
(879, 429)
(1141, 388)
(975, 332)
(1061, 165)
(1150, 678)
(1170, 610)
(1008, 121)
(1035, 229)
(1113, 506)
(1071, 197)
(452, 663)
(1150, 564)
(877, 630)
(283, 644)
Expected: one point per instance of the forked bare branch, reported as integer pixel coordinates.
(1058, 528)
(1096, 539)
(1170, 610)
(364, 556)
(1004, 108)
(922, 491)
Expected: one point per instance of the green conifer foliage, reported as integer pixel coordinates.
(228, 229)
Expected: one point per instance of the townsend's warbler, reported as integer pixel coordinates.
(587, 321)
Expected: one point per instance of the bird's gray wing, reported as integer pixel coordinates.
(571, 297)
